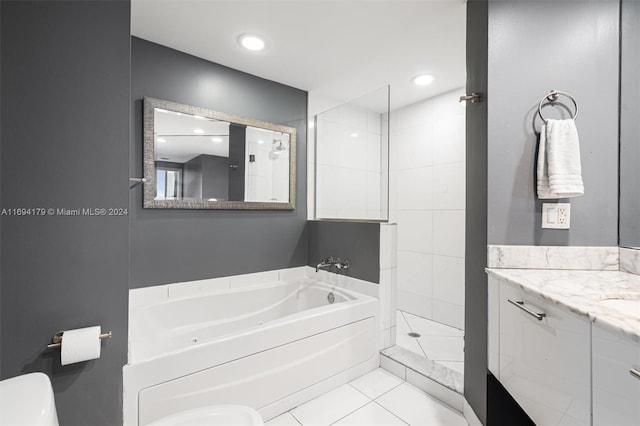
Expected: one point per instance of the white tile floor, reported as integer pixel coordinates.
(375, 399)
(437, 342)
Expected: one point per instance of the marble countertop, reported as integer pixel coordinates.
(582, 292)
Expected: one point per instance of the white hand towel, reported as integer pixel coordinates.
(559, 170)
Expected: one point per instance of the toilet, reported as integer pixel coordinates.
(27, 400)
(213, 415)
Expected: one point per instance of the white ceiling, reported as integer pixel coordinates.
(338, 49)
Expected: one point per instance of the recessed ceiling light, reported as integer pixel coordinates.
(216, 140)
(260, 141)
(161, 140)
(354, 135)
(251, 42)
(198, 131)
(422, 80)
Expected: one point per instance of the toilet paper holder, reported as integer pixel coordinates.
(56, 340)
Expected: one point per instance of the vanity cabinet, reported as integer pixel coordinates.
(543, 356)
(616, 390)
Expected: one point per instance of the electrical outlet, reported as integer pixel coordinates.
(556, 215)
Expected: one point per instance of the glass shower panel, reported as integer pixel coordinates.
(352, 159)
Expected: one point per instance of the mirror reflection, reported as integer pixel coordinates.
(206, 159)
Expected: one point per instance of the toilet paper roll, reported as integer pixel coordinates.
(81, 344)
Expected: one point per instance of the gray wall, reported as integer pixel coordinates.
(475, 320)
(181, 245)
(357, 242)
(206, 176)
(536, 46)
(65, 97)
(630, 125)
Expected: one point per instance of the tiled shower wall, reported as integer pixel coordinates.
(427, 200)
(349, 165)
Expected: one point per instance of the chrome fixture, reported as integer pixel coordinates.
(474, 98)
(333, 261)
(552, 96)
(520, 304)
(56, 340)
(278, 145)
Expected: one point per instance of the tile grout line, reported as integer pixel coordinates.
(371, 399)
(295, 418)
(392, 413)
(351, 412)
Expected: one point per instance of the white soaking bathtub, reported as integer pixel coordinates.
(270, 347)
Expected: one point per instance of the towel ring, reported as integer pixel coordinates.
(552, 96)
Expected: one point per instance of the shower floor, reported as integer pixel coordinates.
(437, 342)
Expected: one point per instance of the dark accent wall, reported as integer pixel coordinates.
(357, 242)
(475, 319)
(206, 176)
(65, 144)
(629, 124)
(182, 245)
(237, 138)
(576, 51)
(514, 62)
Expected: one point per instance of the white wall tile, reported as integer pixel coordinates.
(373, 153)
(449, 186)
(415, 230)
(387, 290)
(448, 313)
(328, 179)
(351, 190)
(415, 189)
(374, 123)
(448, 279)
(415, 148)
(448, 105)
(388, 245)
(415, 273)
(414, 303)
(328, 135)
(354, 116)
(353, 148)
(448, 232)
(373, 181)
(393, 196)
(449, 140)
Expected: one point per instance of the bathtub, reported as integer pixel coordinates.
(270, 347)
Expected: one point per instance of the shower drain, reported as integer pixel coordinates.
(414, 334)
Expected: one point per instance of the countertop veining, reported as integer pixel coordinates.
(581, 292)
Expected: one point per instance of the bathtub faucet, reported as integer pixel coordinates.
(333, 261)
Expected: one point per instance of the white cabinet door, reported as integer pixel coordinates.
(616, 389)
(545, 360)
(493, 335)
